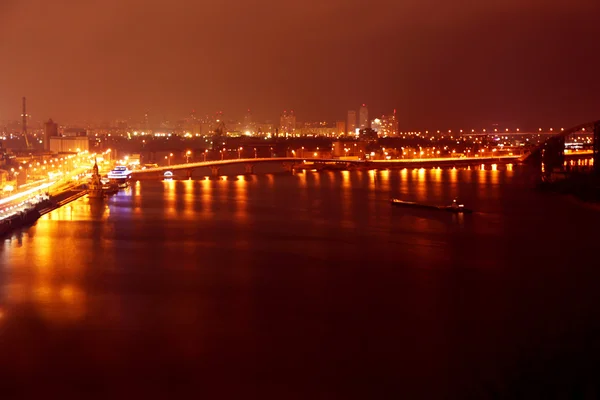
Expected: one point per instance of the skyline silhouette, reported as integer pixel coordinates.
(514, 63)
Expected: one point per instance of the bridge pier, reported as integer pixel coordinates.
(249, 169)
(188, 173)
(553, 155)
(214, 171)
(597, 147)
(289, 167)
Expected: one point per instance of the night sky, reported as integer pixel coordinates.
(442, 64)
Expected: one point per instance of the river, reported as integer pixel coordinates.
(305, 286)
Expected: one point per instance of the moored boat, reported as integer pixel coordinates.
(120, 175)
(109, 187)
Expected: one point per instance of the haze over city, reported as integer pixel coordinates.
(441, 64)
(318, 199)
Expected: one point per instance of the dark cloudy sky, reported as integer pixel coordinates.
(441, 63)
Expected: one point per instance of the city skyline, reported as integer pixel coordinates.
(446, 68)
(159, 121)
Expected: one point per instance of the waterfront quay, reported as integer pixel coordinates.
(28, 208)
(54, 185)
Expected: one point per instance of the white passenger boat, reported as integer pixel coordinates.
(121, 175)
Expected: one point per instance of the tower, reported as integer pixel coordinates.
(248, 123)
(363, 117)
(50, 130)
(351, 124)
(95, 188)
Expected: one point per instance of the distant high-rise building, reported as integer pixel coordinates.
(146, 122)
(351, 123)
(50, 130)
(217, 124)
(363, 117)
(190, 124)
(376, 125)
(340, 127)
(265, 129)
(389, 125)
(287, 123)
(248, 124)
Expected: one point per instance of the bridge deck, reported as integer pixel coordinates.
(318, 160)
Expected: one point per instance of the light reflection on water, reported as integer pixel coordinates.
(316, 176)
(482, 177)
(494, 178)
(252, 264)
(301, 178)
(170, 197)
(189, 197)
(241, 198)
(384, 179)
(421, 187)
(436, 178)
(372, 179)
(346, 200)
(404, 184)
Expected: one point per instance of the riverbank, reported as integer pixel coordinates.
(65, 197)
(585, 187)
(30, 215)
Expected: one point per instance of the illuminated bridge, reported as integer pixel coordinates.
(290, 163)
(551, 153)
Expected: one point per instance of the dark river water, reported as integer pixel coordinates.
(306, 286)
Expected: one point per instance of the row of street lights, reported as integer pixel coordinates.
(188, 154)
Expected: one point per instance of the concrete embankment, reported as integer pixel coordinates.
(63, 198)
(30, 216)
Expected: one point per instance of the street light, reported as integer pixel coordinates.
(255, 155)
(205, 151)
(240, 152)
(221, 151)
(187, 156)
